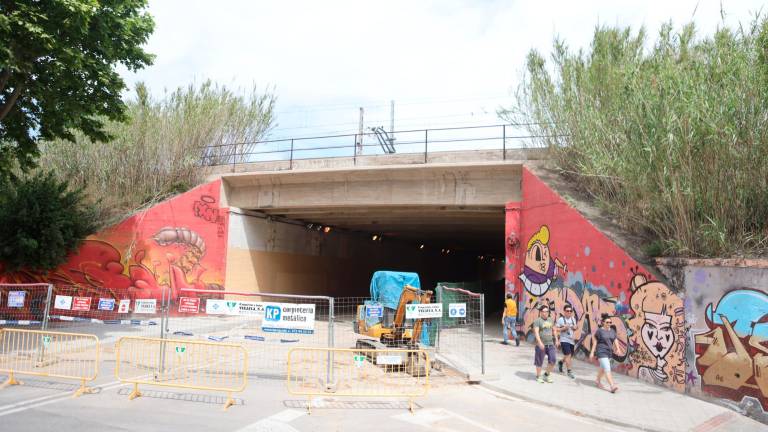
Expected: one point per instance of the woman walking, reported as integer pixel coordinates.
(603, 345)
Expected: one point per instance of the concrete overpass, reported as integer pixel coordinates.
(453, 205)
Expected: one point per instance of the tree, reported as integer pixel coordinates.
(669, 137)
(57, 70)
(158, 151)
(41, 222)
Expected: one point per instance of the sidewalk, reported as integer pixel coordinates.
(636, 405)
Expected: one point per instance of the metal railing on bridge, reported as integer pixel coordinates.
(500, 137)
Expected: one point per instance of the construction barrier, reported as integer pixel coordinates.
(49, 354)
(179, 363)
(398, 373)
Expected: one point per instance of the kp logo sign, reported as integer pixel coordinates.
(272, 313)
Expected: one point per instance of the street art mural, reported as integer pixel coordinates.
(563, 259)
(540, 267)
(180, 243)
(657, 325)
(732, 357)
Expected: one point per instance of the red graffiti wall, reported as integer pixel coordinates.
(179, 243)
(563, 259)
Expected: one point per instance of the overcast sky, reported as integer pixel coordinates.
(444, 63)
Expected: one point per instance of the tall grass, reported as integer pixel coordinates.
(158, 151)
(669, 137)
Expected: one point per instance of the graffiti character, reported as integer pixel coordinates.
(732, 359)
(657, 324)
(540, 269)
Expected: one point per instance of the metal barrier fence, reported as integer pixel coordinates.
(181, 363)
(49, 354)
(357, 373)
(240, 318)
(461, 337)
(24, 305)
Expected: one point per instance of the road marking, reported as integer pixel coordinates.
(65, 396)
(275, 423)
(428, 418)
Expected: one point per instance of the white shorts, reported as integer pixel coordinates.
(605, 363)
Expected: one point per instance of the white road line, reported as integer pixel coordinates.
(428, 417)
(66, 396)
(275, 423)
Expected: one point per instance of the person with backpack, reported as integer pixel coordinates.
(566, 325)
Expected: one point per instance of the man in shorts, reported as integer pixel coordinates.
(566, 324)
(546, 339)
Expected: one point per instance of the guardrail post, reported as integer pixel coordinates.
(161, 360)
(49, 296)
(426, 144)
(482, 334)
(439, 292)
(504, 142)
(290, 163)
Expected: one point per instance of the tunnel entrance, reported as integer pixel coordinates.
(335, 251)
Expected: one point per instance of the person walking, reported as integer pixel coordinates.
(546, 339)
(566, 325)
(509, 319)
(604, 344)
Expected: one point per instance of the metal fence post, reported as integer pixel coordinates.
(354, 151)
(331, 313)
(504, 141)
(161, 364)
(291, 158)
(439, 292)
(49, 296)
(482, 334)
(426, 144)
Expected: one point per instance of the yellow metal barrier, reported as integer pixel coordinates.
(182, 363)
(358, 373)
(49, 354)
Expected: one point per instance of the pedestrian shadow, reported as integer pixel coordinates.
(526, 375)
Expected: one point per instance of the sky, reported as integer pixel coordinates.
(446, 63)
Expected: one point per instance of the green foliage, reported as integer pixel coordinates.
(41, 221)
(57, 70)
(157, 152)
(672, 139)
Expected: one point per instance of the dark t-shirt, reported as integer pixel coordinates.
(604, 340)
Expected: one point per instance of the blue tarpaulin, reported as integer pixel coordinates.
(386, 286)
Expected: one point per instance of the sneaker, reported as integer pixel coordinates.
(560, 366)
(540, 379)
(571, 375)
(548, 379)
(505, 343)
(517, 342)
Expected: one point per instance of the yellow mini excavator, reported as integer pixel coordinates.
(388, 331)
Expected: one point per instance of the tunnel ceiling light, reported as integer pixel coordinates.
(327, 229)
(421, 246)
(309, 226)
(375, 237)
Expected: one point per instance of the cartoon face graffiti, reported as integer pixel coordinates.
(658, 327)
(540, 268)
(657, 333)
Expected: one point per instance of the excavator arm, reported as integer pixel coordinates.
(409, 295)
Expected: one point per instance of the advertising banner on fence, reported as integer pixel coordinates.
(427, 310)
(288, 318)
(125, 306)
(16, 298)
(63, 302)
(106, 304)
(145, 306)
(81, 303)
(234, 307)
(189, 305)
(457, 310)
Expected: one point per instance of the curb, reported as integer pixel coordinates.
(568, 410)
